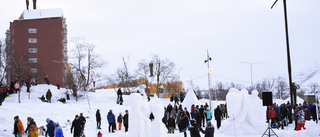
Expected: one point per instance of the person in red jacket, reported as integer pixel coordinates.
(272, 115)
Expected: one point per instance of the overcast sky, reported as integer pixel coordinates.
(233, 31)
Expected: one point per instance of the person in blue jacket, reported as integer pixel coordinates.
(50, 128)
(112, 121)
(208, 113)
(59, 132)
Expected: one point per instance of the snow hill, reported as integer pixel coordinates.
(104, 100)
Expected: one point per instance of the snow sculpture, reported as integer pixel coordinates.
(158, 129)
(190, 99)
(136, 126)
(247, 115)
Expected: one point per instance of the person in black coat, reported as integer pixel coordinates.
(197, 117)
(82, 121)
(183, 123)
(171, 124)
(76, 125)
(126, 121)
(209, 132)
(314, 112)
(98, 118)
(202, 116)
(289, 107)
(217, 115)
(194, 131)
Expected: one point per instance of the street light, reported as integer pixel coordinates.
(209, 70)
(293, 92)
(251, 69)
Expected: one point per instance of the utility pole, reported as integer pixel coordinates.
(293, 94)
(251, 70)
(209, 71)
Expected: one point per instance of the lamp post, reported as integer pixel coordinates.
(293, 94)
(209, 70)
(179, 84)
(251, 69)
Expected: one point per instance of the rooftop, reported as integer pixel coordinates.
(41, 13)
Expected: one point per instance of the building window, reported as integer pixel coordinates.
(34, 70)
(32, 40)
(33, 60)
(32, 30)
(33, 50)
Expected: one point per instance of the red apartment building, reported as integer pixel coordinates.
(37, 45)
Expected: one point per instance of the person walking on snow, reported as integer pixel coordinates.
(76, 125)
(209, 132)
(59, 132)
(119, 120)
(217, 116)
(48, 96)
(18, 127)
(98, 118)
(126, 121)
(50, 128)
(111, 119)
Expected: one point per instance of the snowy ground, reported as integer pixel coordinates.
(103, 100)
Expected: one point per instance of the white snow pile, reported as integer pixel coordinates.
(41, 13)
(190, 99)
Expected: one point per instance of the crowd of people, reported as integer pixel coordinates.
(176, 117)
(284, 115)
(53, 129)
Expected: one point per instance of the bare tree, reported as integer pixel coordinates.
(85, 63)
(313, 87)
(163, 70)
(143, 71)
(281, 87)
(125, 76)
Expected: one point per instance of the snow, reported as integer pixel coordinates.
(41, 13)
(190, 99)
(247, 110)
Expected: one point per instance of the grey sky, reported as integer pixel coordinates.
(183, 30)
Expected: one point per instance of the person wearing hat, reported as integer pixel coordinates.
(18, 127)
(126, 121)
(33, 132)
(76, 125)
(98, 119)
(50, 128)
(59, 132)
(183, 123)
(30, 122)
(112, 121)
(99, 134)
(209, 132)
(194, 131)
(301, 119)
(82, 121)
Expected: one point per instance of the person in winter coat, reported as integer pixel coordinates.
(30, 122)
(209, 132)
(48, 96)
(197, 117)
(314, 112)
(208, 114)
(165, 118)
(283, 115)
(82, 121)
(76, 125)
(16, 87)
(201, 111)
(183, 123)
(18, 127)
(112, 120)
(99, 134)
(176, 100)
(289, 107)
(194, 131)
(98, 119)
(59, 132)
(217, 116)
(169, 108)
(119, 120)
(272, 115)
(33, 132)
(171, 124)
(50, 128)
(57, 129)
(126, 121)
(301, 119)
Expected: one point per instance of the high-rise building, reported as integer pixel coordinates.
(37, 46)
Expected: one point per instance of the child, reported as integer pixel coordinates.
(120, 121)
(99, 134)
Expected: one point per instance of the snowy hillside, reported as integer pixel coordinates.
(104, 100)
